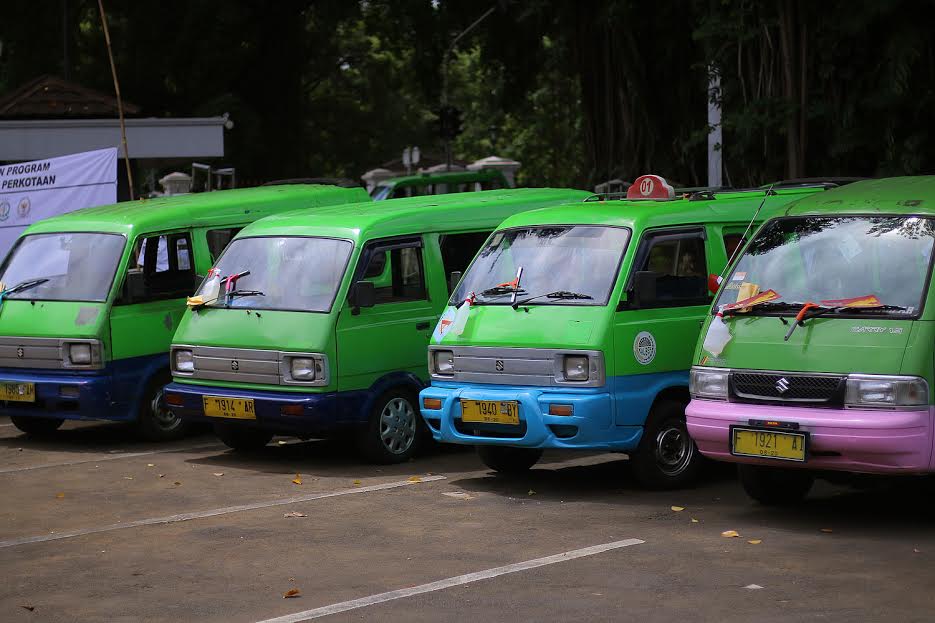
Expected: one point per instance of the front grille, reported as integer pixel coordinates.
(517, 366)
(776, 387)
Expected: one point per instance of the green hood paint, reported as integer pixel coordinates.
(240, 328)
(543, 326)
(52, 318)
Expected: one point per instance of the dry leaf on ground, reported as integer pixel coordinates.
(60, 495)
(150, 465)
(415, 479)
(297, 480)
(730, 534)
(356, 483)
(292, 592)
(828, 530)
(678, 509)
(294, 514)
(755, 541)
(177, 483)
(531, 492)
(27, 607)
(694, 520)
(218, 473)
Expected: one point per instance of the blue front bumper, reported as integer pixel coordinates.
(591, 426)
(320, 411)
(64, 394)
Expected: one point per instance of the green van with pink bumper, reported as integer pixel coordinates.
(91, 300)
(824, 366)
(323, 326)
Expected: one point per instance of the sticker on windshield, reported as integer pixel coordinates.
(444, 324)
(739, 276)
(644, 347)
(849, 247)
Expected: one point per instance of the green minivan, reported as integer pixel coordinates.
(324, 317)
(89, 302)
(574, 328)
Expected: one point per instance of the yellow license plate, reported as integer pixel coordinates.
(490, 411)
(768, 444)
(18, 392)
(235, 408)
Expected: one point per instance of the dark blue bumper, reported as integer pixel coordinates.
(322, 414)
(64, 394)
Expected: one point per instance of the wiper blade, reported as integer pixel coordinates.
(859, 309)
(558, 294)
(500, 291)
(238, 293)
(25, 285)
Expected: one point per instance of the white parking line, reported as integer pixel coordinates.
(109, 457)
(214, 512)
(457, 580)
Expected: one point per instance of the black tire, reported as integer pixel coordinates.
(242, 438)
(36, 426)
(508, 460)
(773, 486)
(155, 421)
(667, 457)
(395, 430)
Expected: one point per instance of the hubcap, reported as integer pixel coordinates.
(165, 419)
(674, 450)
(397, 425)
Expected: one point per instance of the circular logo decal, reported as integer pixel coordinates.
(644, 347)
(23, 208)
(235, 365)
(4, 211)
(646, 186)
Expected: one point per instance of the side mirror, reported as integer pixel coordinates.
(453, 280)
(363, 295)
(644, 288)
(134, 286)
(714, 282)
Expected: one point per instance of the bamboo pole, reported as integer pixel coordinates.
(113, 71)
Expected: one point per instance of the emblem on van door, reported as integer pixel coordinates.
(782, 385)
(20, 353)
(499, 365)
(644, 347)
(235, 365)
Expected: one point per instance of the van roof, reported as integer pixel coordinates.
(481, 175)
(397, 217)
(241, 205)
(892, 195)
(706, 207)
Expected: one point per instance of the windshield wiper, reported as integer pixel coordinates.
(558, 294)
(25, 285)
(811, 310)
(238, 293)
(500, 290)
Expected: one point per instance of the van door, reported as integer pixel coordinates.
(393, 335)
(654, 344)
(159, 276)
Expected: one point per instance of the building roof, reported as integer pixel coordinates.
(53, 97)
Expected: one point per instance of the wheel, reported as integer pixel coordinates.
(775, 486)
(507, 460)
(156, 422)
(36, 425)
(242, 438)
(667, 457)
(395, 429)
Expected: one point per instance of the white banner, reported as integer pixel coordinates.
(32, 191)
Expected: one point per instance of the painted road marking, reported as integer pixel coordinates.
(109, 457)
(214, 512)
(457, 580)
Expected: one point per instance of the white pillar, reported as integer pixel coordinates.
(715, 153)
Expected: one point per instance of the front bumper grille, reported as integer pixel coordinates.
(780, 388)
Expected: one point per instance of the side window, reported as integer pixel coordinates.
(161, 268)
(218, 239)
(680, 266)
(732, 242)
(459, 249)
(397, 272)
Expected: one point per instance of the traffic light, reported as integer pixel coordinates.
(449, 123)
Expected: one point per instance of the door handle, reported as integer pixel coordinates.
(422, 326)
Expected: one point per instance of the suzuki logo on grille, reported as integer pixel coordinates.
(235, 365)
(20, 353)
(782, 385)
(499, 365)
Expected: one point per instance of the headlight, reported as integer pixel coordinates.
(443, 362)
(708, 383)
(869, 390)
(303, 368)
(575, 368)
(184, 361)
(79, 354)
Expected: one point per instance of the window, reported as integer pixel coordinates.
(459, 249)
(218, 239)
(678, 259)
(396, 270)
(732, 243)
(161, 268)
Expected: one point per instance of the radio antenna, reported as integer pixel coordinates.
(743, 238)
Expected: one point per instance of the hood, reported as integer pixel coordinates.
(841, 345)
(52, 318)
(543, 326)
(263, 329)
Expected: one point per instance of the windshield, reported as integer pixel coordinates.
(558, 260)
(62, 266)
(381, 192)
(837, 259)
(286, 273)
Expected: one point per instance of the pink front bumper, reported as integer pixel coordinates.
(853, 440)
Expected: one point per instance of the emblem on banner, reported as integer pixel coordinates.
(4, 211)
(23, 208)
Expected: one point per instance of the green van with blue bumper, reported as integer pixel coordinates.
(575, 325)
(325, 315)
(90, 301)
